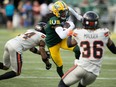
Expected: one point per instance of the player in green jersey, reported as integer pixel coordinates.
(56, 34)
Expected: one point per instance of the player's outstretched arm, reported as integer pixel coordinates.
(63, 31)
(44, 55)
(111, 46)
(35, 50)
(79, 17)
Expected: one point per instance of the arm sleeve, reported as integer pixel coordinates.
(112, 48)
(79, 17)
(62, 32)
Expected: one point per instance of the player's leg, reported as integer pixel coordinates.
(55, 55)
(60, 70)
(1, 65)
(62, 84)
(6, 59)
(16, 64)
(71, 77)
(75, 49)
(87, 80)
(80, 85)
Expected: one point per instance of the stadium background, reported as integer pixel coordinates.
(105, 8)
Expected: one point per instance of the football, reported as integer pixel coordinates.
(66, 25)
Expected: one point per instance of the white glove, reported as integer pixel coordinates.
(76, 62)
(78, 16)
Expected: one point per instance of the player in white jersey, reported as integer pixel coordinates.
(14, 48)
(92, 41)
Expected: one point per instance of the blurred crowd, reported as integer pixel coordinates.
(105, 8)
(26, 13)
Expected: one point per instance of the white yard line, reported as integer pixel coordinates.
(40, 62)
(107, 78)
(111, 70)
(34, 77)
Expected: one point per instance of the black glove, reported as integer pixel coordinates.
(48, 66)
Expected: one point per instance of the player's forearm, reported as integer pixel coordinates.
(79, 17)
(44, 55)
(63, 32)
(35, 50)
(43, 52)
(112, 48)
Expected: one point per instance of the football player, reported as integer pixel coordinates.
(56, 34)
(14, 48)
(92, 41)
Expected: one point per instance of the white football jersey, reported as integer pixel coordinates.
(27, 40)
(92, 46)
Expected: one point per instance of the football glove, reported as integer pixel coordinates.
(48, 66)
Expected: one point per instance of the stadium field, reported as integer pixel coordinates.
(34, 73)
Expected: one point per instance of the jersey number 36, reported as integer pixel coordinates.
(96, 50)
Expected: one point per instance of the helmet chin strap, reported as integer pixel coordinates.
(63, 18)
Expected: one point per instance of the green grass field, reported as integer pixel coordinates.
(34, 73)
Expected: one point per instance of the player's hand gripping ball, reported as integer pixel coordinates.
(66, 25)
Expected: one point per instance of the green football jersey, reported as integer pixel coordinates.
(52, 37)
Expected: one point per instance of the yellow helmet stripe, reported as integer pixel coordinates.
(56, 5)
(64, 5)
